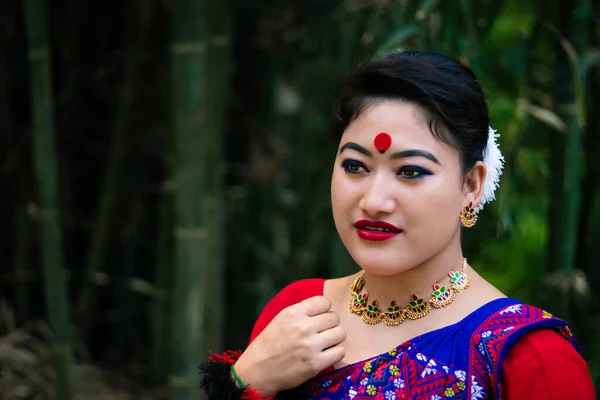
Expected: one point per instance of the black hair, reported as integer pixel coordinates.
(444, 88)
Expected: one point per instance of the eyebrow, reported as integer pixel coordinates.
(394, 156)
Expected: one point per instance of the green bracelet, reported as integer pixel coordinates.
(237, 378)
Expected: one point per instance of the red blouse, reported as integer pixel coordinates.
(541, 365)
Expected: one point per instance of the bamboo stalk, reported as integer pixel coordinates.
(46, 167)
(161, 306)
(190, 180)
(218, 68)
(101, 235)
(256, 90)
(566, 154)
(24, 238)
(589, 219)
(21, 222)
(138, 31)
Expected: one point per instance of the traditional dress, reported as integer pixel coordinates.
(503, 350)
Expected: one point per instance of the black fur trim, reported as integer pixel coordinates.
(217, 382)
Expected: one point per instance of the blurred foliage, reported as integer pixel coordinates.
(536, 60)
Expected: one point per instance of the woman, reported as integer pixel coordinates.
(416, 161)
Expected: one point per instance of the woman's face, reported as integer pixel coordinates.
(416, 186)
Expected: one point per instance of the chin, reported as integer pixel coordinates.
(382, 262)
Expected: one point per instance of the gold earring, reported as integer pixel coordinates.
(468, 217)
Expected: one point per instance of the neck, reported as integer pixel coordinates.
(418, 279)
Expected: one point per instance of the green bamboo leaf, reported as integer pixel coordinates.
(545, 115)
(394, 41)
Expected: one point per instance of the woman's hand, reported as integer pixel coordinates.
(301, 341)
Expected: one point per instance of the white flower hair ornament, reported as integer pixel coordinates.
(494, 164)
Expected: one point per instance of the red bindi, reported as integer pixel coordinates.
(382, 142)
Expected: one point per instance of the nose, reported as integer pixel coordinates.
(378, 197)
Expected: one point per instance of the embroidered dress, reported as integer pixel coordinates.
(460, 361)
(504, 350)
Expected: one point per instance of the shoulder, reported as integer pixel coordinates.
(519, 330)
(542, 364)
(511, 319)
(291, 294)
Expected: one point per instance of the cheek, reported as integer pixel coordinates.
(334, 185)
(339, 191)
(438, 205)
(345, 194)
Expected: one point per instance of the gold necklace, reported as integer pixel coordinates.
(417, 308)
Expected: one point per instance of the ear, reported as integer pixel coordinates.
(473, 184)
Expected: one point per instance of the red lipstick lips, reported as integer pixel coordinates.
(376, 230)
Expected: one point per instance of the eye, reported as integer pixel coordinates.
(354, 167)
(413, 172)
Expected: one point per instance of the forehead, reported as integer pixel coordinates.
(405, 122)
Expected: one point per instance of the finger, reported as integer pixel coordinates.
(324, 321)
(329, 357)
(331, 337)
(315, 305)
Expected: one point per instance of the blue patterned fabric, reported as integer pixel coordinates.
(460, 361)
